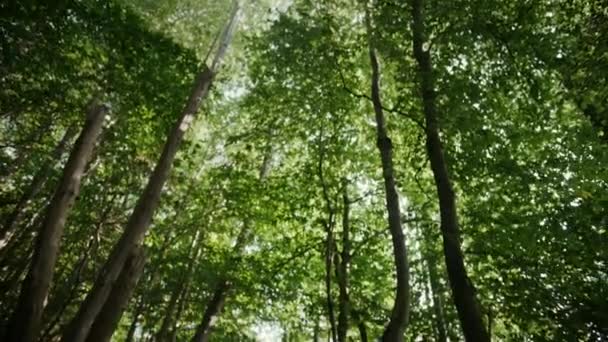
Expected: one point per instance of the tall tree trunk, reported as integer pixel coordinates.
(316, 330)
(463, 292)
(329, 253)
(141, 217)
(400, 312)
(14, 218)
(62, 302)
(218, 299)
(343, 267)
(437, 301)
(109, 316)
(329, 248)
(183, 299)
(362, 331)
(25, 323)
(169, 317)
(133, 326)
(214, 308)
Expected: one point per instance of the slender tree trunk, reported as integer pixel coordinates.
(75, 280)
(315, 333)
(133, 326)
(141, 217)
(329, 248)
(107, 320)
(329, 252)
(25, 323)
(343, 267)
(437, 301)
(14, 218)
(218, 299)
(362, 331)
(183, 299)
(169, 317)
(214, 308)
(463, 292)
(400, 312)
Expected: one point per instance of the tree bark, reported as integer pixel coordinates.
(400, 312)
(169, 317)
(140, 219)
(362, 331)
(133, 326)
(437, 301)
(25, 323)
(218, 299)
(14, 218)
(214, 308)
(343, 267)
(463, 292)
(109, 316)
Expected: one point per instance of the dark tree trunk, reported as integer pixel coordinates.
(213, 310)
(170, 317)
(400, 312)
(216, 304)
(14, 218)
(329, 248)
(105, 323)
(343, 267)
(362, 331)
(463, 292)
(25, 323)
(138, 311)
(140, 219)
(437, 301)
(329, 253)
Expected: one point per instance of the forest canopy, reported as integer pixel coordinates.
(298, 170)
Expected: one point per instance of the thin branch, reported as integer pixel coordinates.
(367, 97)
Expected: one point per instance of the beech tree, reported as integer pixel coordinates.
(300, 170)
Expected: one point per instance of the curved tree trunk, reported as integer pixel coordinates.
(14, 218)
(463, 291)
(25, 323)
(112, 310)
(400, 312)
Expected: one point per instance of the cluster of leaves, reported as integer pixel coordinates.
(522, 96)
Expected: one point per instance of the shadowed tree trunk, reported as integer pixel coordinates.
(107, 320)
(362, 331)
(214, 308)
(463, 292)
(170, 317)
(343, 267)
(138, 311)
(329, 247)
(140, 219)
(437, 301)
(218, 299)
(40, 178)
(400, 311)
(25, 322)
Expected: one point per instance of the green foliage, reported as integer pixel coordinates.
(521, 93)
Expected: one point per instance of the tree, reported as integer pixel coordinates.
(25, 323)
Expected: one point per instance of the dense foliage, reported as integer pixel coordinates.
(272, 224)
